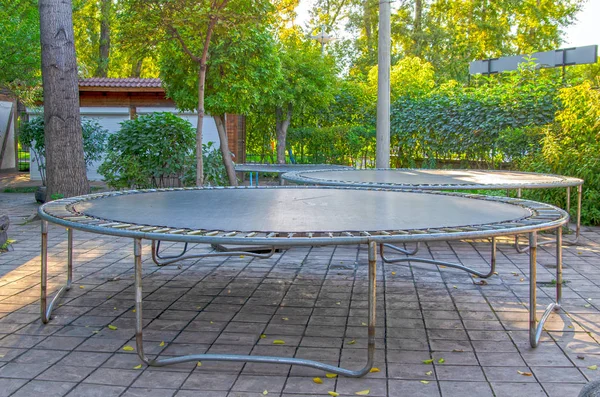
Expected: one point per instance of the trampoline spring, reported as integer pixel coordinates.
(178, 231)
(230, 234)
(272, 234)
(213, 233)
(290, 235)
(365, 234)
(251, 234)
(330, 235)
(196, 232)
(135, 227)
(122, 226)
(111, 224)
(162, 230)
(309, 234)
(345, 234)
(148, 229)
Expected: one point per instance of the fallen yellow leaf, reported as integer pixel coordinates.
(162, 344)
(393, 273)
(455, 287)
(81, 286)
(425, 382)
(442, 266)
(114, 308)
(363, 392)
(593, 367)
(521, 279)
(133, 310)
(427, 361)
(128, 348)
(138, 366)
(353, 341)
(331, 375)
(458, 351)
(338, 303)
(278, 342)
(441, 361)
(364, 324)
(587, 305)
(263, 336)
(428, 373)
(375, 369)
(113, 327)
(284, 318)
(199, 364)
(318, 380)
(241, 256)
(524, 373)
(264, 392)
(333, 394)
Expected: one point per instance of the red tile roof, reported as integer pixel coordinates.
(131, 82)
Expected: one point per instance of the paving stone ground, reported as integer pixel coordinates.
(314, 299)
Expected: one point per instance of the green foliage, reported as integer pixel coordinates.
(20, 54)
(157, 150)
(154, 150)
(348, 145)
(570, 147)
(94, 141)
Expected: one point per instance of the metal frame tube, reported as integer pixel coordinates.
(45, 307)
(137, 249)
(441, 263)
(536, 328)
(167, 260)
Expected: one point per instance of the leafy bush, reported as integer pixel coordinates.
(154, 150)
(94, 141)
(570, 147)
(158, 150)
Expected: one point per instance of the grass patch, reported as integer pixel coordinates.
(21, 189)
(4, 247)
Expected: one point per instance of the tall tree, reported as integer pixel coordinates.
(191, 24)
(65, 164)
(243, 70)
(308, 84)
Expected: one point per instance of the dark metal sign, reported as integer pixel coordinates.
(547, 59)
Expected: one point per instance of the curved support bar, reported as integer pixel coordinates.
(156, 250)
(536, 328)
(262, 359)
(404, 251)
(535, 331)
(447, 264)
(139, 339)
(177, 258)
(45, 308)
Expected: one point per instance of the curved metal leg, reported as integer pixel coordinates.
(257, 359)
(578, 220)
(535, 328)
(45, 308)
(160, 260)
(404, 251)
(447, 264)
(176, 258)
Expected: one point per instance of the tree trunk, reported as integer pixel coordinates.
(224, 143)
(104, 50)
(199, 160)
(282, 124)
(136, 68)
(65, 164)
(417, 33)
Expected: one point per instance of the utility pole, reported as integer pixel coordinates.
(383, 87)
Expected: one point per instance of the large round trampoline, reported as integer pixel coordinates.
(423, 179)
(296, 216)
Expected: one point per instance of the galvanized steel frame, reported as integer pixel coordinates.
(61, 212)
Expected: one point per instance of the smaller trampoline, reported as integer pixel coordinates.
(254, 168)
(423, 179)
